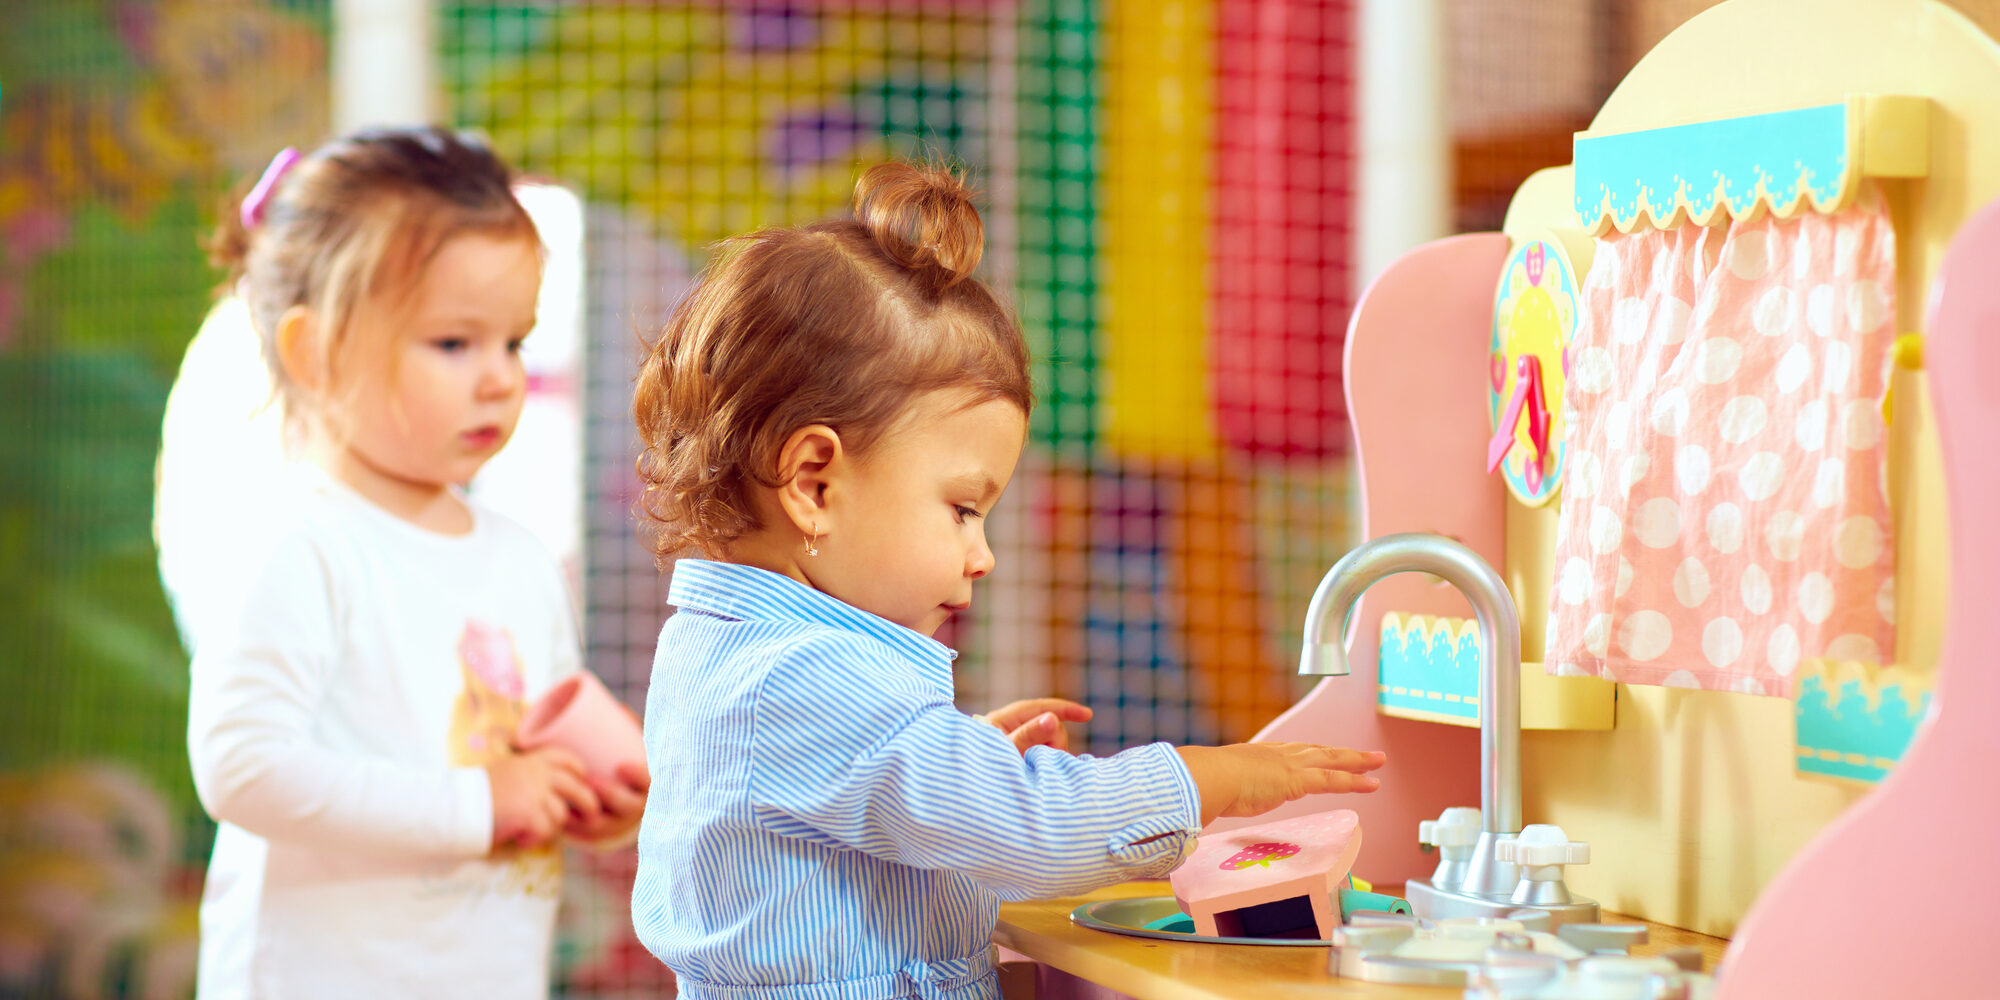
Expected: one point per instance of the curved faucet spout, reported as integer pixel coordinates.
(1499, 648)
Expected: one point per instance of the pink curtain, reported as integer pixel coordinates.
(1724, 506)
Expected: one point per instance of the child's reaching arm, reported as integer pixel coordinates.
(1249, 779)
(846, 757)
(1244, 779)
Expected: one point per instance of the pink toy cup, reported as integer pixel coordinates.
(580, 716)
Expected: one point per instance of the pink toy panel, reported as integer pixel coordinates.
(1905, 868)
(1420, 431)
(1276, 879)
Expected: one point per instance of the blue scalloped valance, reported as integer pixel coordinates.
(1782, 161)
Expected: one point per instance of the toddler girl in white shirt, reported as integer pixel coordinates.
(379, 835)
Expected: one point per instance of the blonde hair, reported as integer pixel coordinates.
(362, 215)
(842, 323)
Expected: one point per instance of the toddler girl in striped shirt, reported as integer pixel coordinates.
(829, 418)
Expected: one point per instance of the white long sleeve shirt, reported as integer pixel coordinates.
(338, 734)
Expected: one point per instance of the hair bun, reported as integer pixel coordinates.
(923, 218)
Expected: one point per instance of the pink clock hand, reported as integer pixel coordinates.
(1527, 385)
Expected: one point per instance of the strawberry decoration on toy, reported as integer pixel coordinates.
(1260, 855)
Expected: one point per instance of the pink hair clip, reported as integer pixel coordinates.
(253, 203)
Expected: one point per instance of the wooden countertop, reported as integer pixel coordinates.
(1150, 969)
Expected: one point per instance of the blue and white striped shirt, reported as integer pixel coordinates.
(826, 825)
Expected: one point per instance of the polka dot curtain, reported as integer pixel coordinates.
(1724, 512)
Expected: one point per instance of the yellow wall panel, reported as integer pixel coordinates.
(1692, 803)
(1157, 130)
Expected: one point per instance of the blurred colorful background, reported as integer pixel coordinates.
(1172, 191)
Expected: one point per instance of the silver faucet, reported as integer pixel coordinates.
(1482, 884)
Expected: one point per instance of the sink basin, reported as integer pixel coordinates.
(1130, 916)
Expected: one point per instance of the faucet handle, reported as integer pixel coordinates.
(1455, 828)
(1543, 846)
(1540, 851)
(1455, 833)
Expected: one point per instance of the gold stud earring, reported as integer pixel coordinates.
(812, 544)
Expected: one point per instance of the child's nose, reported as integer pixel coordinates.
(501, 376)
(981, 561)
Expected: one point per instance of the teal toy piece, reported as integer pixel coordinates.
(1845, 732)
(1173, 923)
(1353, 900)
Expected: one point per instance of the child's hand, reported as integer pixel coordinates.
(1038, 722)
(534, 795)
(1247, 779)
(624, 802)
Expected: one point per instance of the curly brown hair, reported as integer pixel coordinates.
(843, 322)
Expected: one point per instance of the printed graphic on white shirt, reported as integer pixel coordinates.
(483, 720)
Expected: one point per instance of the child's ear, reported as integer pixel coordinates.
(300, 352)
(811, 462)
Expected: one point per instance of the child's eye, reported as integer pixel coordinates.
(450, 345)
(514, 345)
(964, 512)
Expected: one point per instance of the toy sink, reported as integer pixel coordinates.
(1147, 916)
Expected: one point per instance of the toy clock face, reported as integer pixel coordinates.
(1534, 314)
